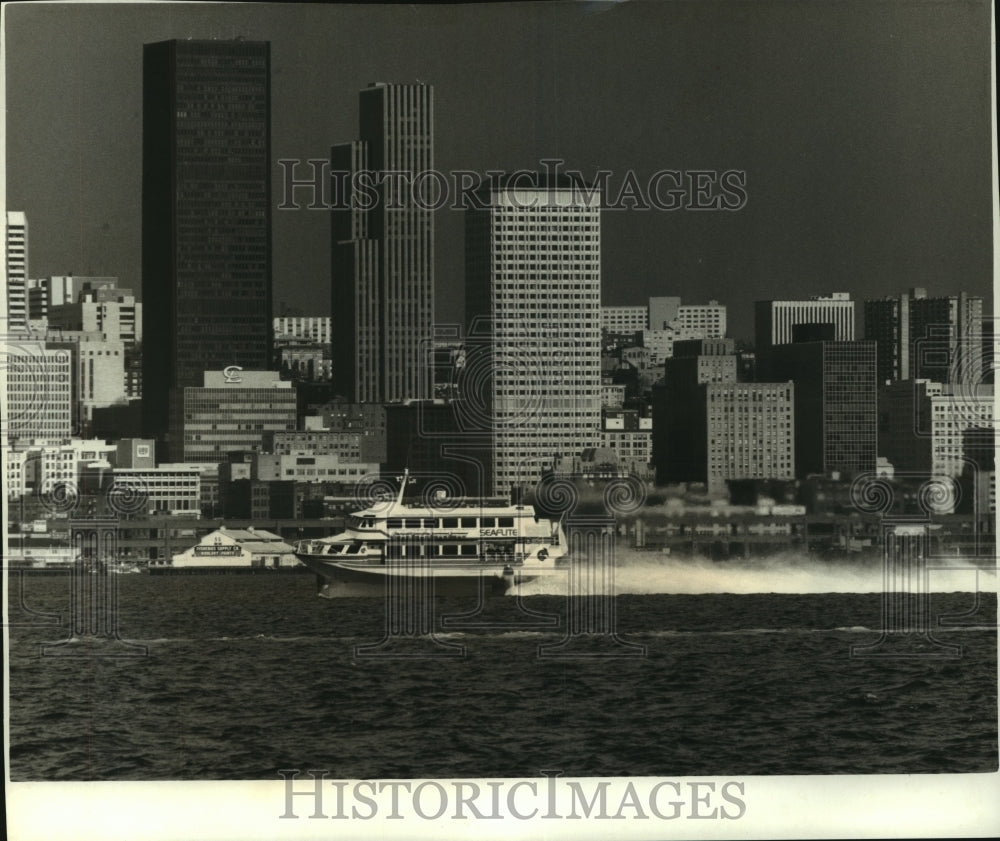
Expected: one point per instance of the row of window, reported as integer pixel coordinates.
(395, 523)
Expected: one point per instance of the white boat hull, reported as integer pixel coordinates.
(371, 577)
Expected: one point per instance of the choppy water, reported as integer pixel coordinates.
(248, 675)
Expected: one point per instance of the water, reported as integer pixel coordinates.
(248, 675)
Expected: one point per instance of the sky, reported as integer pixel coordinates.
(863, 129)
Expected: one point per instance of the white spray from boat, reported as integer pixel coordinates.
(638, 572)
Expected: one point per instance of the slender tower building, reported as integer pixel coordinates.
(532, 373)
(206, 215)
(383, 249)
(16, 249)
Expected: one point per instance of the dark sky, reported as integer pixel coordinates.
(863, 129)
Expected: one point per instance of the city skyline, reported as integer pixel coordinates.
(761, 513)
(833, 201)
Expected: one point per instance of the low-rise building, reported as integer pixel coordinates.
(327, 467)
(173, 489)
(630, 437)
(248, 547)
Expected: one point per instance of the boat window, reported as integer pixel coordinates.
(488, 522)
(449, 523)
(506, 522)
(393, 523)
(412, 524)
(353, 549)
(431, 523)
(449, 549)
(469, 549)
(368, 523)
(468, 522)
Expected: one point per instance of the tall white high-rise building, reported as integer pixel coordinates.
(16, 255)
(532, 371)
(774, 320)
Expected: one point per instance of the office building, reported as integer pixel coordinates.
(52, 291)
(630, 437)
(115, 313)
(708, 427)
(533, 344)
(135, 452)
(624, 319)
(39, 392)
(41, 467)
(926, 427)
(703, 321)
(229, 412)
(98, 365)
(305, 363)
(435, 441)
(16, 242)
(724, 431)
(938, 339)
(311, 468)
(773, 320)
(699, 361)
(835, 403)
(350, 447)
(979, 476)
(206, 215)
(383, 256)
(169, 489)
(313, 329)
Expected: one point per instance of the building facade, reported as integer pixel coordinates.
(348, 446)
(16, 242)
(533, 361)
(312, 328)
(171, 489)
(310, 467)
(98, 365)
(236, 548)
(119, 317)
(703, 321)
(41, 468)
(630, 437)
(39, 392)
(383, 255)
(773, 320)
(206, 215)
(624, 319)
(229, 412)
(700, 361)
(938, 339)
(53, 291)
(836, 422)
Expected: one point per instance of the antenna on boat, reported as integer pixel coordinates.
(403, 482)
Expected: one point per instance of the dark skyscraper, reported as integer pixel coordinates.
(206, 215)
(918, 337)
(383, 254)
(835, 417)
